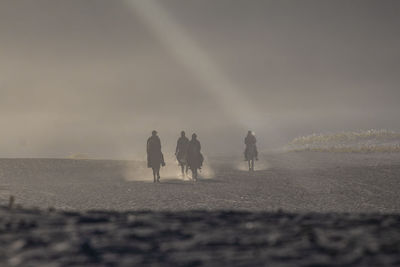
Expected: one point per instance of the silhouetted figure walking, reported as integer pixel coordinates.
(194, 156)
(250, 152)
(181, 152)
(155, 158)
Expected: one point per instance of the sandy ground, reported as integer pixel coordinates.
(297, 182)
(338, 210)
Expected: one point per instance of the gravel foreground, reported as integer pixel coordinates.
(32, 237)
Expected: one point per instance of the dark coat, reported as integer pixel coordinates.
(251, 149)
(250, 140)
(154, 155)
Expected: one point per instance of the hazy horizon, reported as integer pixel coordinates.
(97, 76)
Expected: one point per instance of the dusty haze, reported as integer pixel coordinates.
(96, 77)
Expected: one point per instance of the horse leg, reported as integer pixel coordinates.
(183, 169)
(194, 174)
(154, 174)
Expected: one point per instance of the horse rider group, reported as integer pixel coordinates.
(188, 154)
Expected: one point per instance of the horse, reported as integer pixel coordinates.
(181, 158)
(195, 161)
(154, 161)
(251, 155)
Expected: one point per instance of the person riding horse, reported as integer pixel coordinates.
(194, 157)
(181, 152)
(250, 141)
(155, 157)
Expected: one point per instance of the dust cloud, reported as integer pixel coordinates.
(260, 165)
(138, 171)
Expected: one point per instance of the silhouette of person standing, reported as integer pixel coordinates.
(194, 156)
(181, 152)
(250, 140)
(155, 157)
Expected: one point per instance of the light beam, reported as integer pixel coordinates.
(233, 102)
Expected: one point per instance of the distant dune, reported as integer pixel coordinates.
(361, 142)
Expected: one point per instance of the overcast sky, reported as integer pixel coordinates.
(80, 76)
